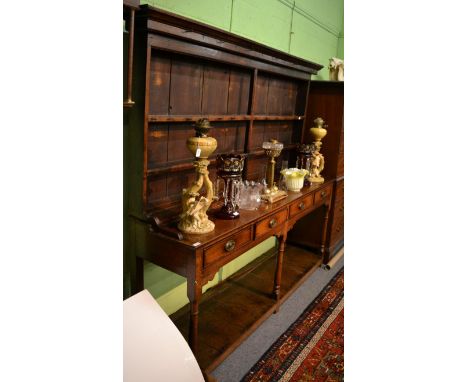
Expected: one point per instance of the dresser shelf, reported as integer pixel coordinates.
(215, 118)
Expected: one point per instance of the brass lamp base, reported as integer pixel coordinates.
(274, 196)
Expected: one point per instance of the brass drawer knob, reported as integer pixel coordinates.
(230, 245)
(273, 223)
(323, 194)
(301, 205)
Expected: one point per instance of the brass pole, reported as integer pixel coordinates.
(271, 172)
(129, 102)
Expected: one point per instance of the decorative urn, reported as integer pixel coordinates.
(304, 158)
(229, 169)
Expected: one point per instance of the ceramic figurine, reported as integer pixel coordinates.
(336, 68)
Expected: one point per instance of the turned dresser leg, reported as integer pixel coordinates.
(278, 271)
(194, 293)
(324, 235)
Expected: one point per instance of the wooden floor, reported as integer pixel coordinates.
(234, 309)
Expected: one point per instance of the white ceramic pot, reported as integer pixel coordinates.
(294, 178)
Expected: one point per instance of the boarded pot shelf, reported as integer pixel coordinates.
(244, 301)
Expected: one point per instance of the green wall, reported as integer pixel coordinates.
(311, 29)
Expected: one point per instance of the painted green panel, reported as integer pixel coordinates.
(213, 12)
(312, 42)
(340, 52)
(326, 12)
(265, 21)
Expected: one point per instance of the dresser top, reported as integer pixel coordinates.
(224, 228)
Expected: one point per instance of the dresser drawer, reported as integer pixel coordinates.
(270, 223)
(301, 205)
(323, 195)
(226, 246)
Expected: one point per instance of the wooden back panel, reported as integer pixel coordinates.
(326, 100)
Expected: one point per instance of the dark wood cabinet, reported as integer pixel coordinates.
(326, 100)
(250, 93)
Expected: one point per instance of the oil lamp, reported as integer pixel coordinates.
(194, 219)
(318, 132)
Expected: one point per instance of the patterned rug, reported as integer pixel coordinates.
(312, 349)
